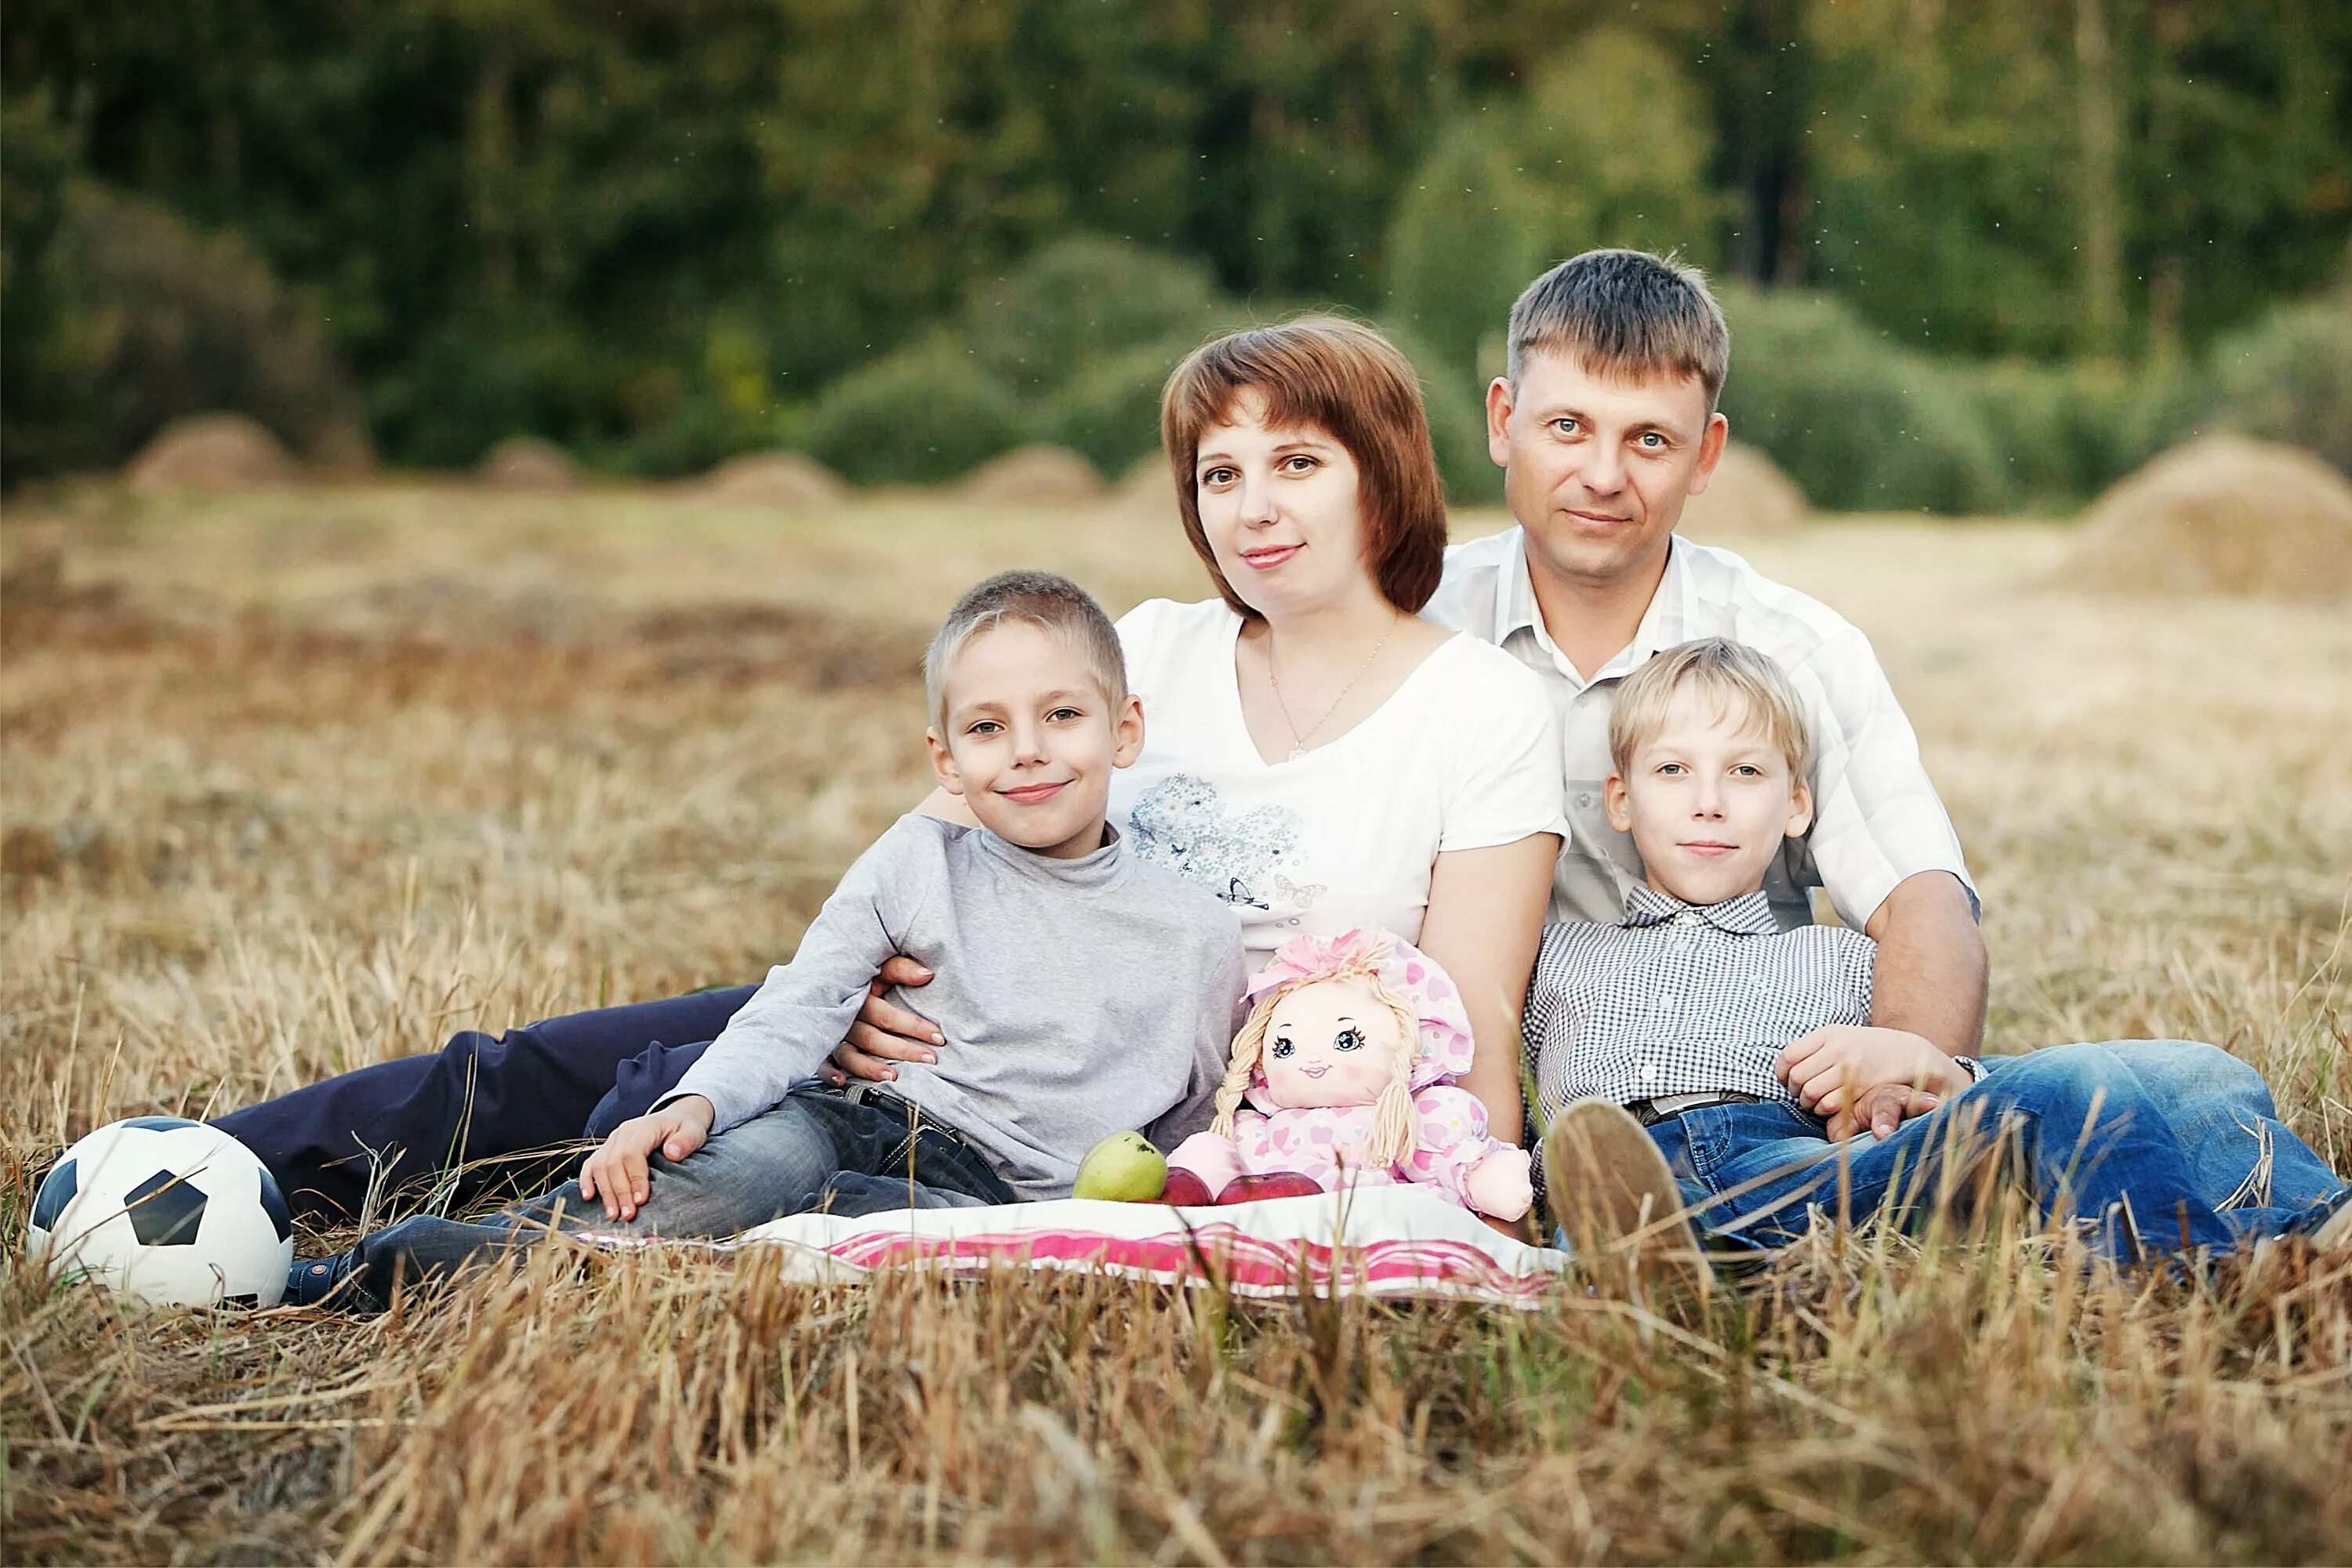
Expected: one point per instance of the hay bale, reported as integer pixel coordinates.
(2225, 514)
(1748, 495)
(211, 452)
(528, 463)
(787, 481)
(1032, 476)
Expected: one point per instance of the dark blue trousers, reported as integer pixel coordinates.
(509, 1108)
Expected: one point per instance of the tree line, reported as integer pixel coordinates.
(662, 230)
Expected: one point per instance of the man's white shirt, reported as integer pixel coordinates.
(1877, 819)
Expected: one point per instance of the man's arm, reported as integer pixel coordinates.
(1929, 976)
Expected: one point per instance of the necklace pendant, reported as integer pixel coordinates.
(1295, 752)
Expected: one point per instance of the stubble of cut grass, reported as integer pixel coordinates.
(302, 781)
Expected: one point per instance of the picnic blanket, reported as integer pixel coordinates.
(1401, 1241)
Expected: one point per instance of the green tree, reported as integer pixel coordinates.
(1513, 186)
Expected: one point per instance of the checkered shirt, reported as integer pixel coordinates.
(1685, 999)
(1877, 817)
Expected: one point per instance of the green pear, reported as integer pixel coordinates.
(1123, 1168)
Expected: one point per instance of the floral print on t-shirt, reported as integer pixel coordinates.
(1182, 823)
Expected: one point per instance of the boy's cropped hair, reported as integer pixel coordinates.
(1624, 312)
(1740, 679)
(1042, 599)
(1342, 377)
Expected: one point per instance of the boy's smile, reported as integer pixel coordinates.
(1708, 800)
(1032, 738)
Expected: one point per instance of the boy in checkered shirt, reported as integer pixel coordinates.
(1692, 1057)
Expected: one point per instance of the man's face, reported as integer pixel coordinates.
(1597, 469)
(1030, 739)
(1707, 799)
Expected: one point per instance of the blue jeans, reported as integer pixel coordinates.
(2160, 1148)
(818, 1149)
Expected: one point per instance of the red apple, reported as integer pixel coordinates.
(1185, 1189)
(1272, 1185)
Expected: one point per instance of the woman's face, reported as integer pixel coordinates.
(1279, 509)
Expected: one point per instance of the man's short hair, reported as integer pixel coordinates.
(1041, 599)
(1624, 314)
(1737, 676)
(1345, 379)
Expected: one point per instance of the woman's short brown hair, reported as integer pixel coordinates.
(1346, 380)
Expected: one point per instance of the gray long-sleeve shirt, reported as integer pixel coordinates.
(1080, 999)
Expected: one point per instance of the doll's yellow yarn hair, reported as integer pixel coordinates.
(1393, 1132)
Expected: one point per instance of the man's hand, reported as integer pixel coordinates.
(1832, 1069)
(885, 1033)
(617, 1171)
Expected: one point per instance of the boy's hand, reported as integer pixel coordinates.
(884, 1032)
(617, 1171)
(1879, 1111)
(1831, 1070)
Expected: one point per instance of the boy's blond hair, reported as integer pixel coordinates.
(1624, 313)
(1738, 677)
(1043, 600)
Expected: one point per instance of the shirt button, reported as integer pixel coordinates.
(1584, 803)
(1649, 1070)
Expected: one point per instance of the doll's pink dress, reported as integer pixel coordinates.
(1329, 1143)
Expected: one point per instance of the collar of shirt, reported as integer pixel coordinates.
(1750, 914)
(1662, 627)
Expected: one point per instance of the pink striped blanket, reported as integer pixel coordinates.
(1397, 1241)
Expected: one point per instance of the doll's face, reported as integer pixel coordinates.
(1332, 1043)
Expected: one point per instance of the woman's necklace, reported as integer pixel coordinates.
(1299, 739)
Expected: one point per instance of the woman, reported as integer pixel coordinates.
(1314, 752)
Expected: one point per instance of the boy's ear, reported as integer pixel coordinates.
(943, 764)
(1126, 732)
(1618, 800)
(1801, 809)
(1499, 403)
(1710, 453)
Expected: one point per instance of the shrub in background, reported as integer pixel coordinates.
(1110, 410)
(2063, 433)
(1858, 423)
(2289, 378)
(144, 320)
(1080, 303)
(927, 413)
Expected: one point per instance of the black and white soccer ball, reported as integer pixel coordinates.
(165, 1212)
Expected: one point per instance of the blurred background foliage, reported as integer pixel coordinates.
(1978, 256)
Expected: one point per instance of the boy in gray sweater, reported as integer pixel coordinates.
(1089, 992)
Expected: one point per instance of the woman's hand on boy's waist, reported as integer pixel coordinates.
(884, 1032)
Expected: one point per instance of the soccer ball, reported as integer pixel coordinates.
(166, 1212)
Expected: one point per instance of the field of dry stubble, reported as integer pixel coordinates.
(300, 781)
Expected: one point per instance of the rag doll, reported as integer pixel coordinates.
(1347, 1064)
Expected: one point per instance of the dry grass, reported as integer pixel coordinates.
(303, 780)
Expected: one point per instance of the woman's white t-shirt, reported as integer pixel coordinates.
(1464, 755)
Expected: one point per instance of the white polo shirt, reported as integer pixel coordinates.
(1876, 818)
